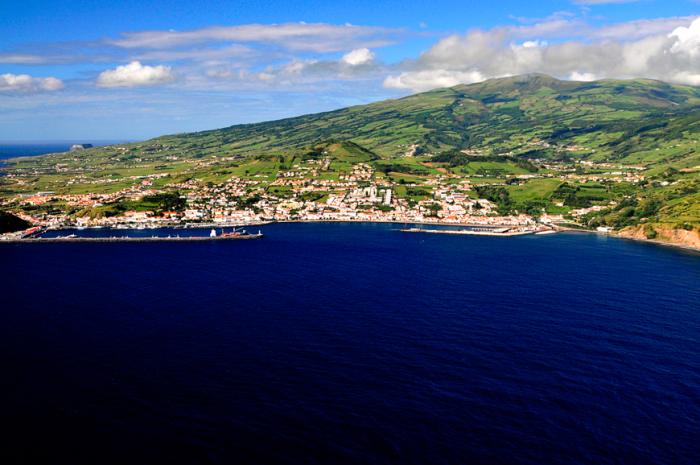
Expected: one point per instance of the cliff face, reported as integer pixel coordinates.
(665, 234)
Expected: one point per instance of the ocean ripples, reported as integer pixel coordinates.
(354, 343)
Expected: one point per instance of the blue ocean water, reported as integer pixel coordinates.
(26, 149)
(352, 343)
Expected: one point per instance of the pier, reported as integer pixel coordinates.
(497, 232)
(73, 239)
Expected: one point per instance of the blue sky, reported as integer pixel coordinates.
(135, 69)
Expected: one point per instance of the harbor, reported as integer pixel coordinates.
(482, 231)
(214, 235)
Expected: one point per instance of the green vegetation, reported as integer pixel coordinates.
(677, 205)
(498, 195)
(169, 201)
(505, 164)
(498, 133)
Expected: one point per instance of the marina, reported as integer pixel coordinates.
(37, 238)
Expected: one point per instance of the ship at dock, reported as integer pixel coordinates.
(237, 233)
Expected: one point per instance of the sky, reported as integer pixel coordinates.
(132, 70)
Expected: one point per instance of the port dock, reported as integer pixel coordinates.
(497, 232)
(73, 239)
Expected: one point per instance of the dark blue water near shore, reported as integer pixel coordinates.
(27, 149)
(352, 343)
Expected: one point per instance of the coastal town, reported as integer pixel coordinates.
(315, 190)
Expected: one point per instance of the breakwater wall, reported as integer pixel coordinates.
(49, 240)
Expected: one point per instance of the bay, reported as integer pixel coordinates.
(352, 343)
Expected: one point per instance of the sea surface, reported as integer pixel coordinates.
(351, 343)
(27, 149)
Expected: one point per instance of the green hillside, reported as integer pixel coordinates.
(493, 132)
(608, 119)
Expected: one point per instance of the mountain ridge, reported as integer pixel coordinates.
(463, 115)
(457, 88)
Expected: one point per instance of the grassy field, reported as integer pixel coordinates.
(536, 189)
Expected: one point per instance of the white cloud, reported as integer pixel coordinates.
(22, 58)
(576, 76)
(197, 54)
(24, 83)
(637, 29)
(296, 67)
(319, 37)
(358, 56)
(135, 75)
(554, 27)
(671, 55)
(432, 79)
(259, 56)
(355, 66)
(690, 78)
(266, 77)
(534, 43)
(687, 39)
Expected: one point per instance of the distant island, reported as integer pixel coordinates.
(76, 147)
(616, 156)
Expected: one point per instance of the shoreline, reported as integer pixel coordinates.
(267, 223)
(687, 248)
(616, 235)
(556, 229)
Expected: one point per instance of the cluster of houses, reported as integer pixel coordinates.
(303, 192)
